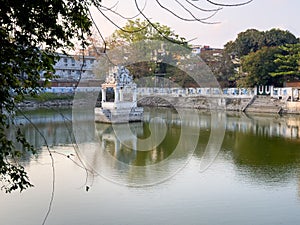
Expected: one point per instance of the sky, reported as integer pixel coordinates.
(259, 14)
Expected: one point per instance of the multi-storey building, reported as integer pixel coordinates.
(70, 67)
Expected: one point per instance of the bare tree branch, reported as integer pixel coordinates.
(52, 161)
(102, 8)
(110, 8)
(202, 20)
(229, 5)
(116, 25)
(201, 9)
(176, 15)
(99, 32)
(153, 25)
(122, 16)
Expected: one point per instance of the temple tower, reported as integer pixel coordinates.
(123, 107)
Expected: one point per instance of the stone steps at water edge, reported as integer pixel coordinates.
(265, 104)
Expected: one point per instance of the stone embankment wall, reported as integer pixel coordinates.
(84, 98)
(249, 104)
(293, 107)
(46, 104)
(197, 102)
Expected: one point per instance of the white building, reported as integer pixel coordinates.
(70, 67)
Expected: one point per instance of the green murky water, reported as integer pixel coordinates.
(185, 167)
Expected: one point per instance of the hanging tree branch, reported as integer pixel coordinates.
(120, 28)
(120, 15)
(201, 9)
(205, 20)
(202, 20)
(179, 17)
(229, 5)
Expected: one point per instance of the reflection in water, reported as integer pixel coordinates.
(57, 126)
(255, 178)
(125, 148)
(260, 145)
(264, 149)
(126, 154)
(262, 156)
(276, 126)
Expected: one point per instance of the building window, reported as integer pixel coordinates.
(66, 61)
(73, 62)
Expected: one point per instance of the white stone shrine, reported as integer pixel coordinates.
(123, 108)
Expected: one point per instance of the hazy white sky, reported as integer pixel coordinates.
(259, 14)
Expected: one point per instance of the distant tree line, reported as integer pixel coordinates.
(263, 58)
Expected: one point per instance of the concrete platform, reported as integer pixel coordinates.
(119, 115)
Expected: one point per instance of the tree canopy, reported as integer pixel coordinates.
(140, 30)
(288, 62)
(263, 55)
(142, 38)
(277, 37)
(30, 33)
(252, 40)
(257, 66)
